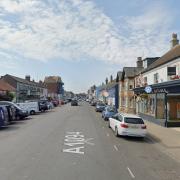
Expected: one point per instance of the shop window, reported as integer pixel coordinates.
(160, 106)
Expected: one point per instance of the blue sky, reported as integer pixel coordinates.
(83, 41)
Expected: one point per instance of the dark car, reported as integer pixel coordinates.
(43, 105)
(93, 103)
(4, 119)
(100, 107)
(11, 113)
(19, 113)
(108, 112)
(74, 103)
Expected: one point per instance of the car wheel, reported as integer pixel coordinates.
(32, 112)
(116, 132)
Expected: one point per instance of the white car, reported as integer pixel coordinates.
(127, 125)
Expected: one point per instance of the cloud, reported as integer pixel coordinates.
(77, 30)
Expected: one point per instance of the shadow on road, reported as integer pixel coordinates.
(148, 139)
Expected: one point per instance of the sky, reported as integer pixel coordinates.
(83, 41)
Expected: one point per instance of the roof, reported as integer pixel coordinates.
(131, 71)
(24, 81)
(4, 86)
(52, 79)
(171, 55)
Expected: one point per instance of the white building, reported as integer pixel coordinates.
(162, 78)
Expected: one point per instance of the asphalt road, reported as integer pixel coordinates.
(74, 143)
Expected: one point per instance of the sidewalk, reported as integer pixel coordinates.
(168, 138)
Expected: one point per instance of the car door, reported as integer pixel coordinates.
(117, 121)
(113, 121)
(120, 120)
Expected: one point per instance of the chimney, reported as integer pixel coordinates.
(106, 80)
(174, 40)
(111, 78)
(28, 77)
(139, 62)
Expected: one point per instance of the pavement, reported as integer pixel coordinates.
(76, 143)
(168, 139)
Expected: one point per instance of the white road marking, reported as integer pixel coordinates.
(75, 141)
(115, 147)
(103, 127)
(130, 172)
(107, 134)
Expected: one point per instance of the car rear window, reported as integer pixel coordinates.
(111, 109)
(133, 120)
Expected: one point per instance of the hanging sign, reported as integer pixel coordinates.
(148, 89)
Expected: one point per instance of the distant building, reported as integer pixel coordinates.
(25, 89)
(55, 87)
(92, 92)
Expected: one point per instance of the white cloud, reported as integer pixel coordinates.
(77, 29)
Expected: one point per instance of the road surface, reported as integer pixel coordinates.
(74, 143)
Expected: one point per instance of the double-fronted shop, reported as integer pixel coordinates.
(159, 103)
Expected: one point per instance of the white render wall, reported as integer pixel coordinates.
(162, 72)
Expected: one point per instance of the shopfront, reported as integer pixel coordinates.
(160, 105)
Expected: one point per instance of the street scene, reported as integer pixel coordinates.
(89, 90)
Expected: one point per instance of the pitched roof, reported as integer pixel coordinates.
(132, 71)
(24, 81)
(4, 86)
(172, 54)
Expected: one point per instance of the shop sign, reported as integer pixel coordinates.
(160, 91)
(148, 89)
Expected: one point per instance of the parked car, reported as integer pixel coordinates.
(11, 113)
(100, 107)
(93, 103)
(43, 105)
(55, 102)
(127, 125)
(4, 119)
(20, 113)
(31, 107)
(50, 105)
(74, 102)
(108, 112)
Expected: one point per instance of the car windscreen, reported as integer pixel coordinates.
(133, 120)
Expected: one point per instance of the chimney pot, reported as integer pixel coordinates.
(174, 40)
(139, 62)
(28, 77)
